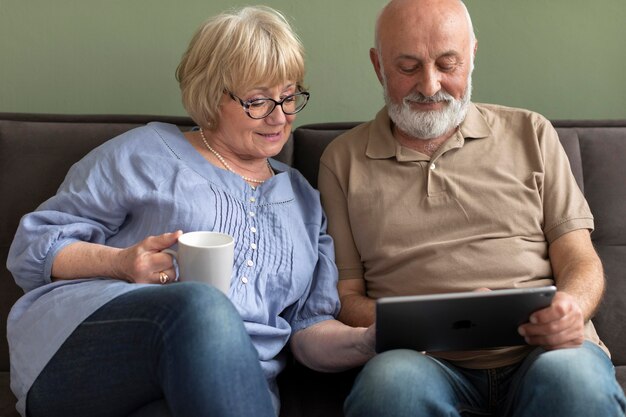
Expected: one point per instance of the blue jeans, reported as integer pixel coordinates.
(172, 350)
(566, 382)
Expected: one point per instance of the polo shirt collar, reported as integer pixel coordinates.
(474, 126)
(382, 145)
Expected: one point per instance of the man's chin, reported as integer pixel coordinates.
(419, 133)
(419, 124)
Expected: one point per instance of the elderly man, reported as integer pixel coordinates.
(438, 194)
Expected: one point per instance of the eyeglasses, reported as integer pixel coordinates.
(260, 108)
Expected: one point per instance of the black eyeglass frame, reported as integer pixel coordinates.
(246, 104)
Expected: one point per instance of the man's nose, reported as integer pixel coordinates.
(429, 82)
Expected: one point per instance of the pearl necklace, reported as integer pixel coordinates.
(223, 161)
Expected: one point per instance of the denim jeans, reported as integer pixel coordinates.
(178, 349)
(566, 382)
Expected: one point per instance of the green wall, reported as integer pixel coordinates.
(563, 58)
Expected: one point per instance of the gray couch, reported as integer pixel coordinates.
(36, 151)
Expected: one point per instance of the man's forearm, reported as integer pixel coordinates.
(357, 310)
(578, 270)
(588, 292)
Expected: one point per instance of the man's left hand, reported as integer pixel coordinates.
(561, 325)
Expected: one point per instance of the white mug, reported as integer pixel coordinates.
(205, 257)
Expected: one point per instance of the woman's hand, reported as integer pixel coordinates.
(144, 262)
(141, 263)
(331, 346)
(369, 341)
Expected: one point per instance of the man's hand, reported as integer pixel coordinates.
(561, 325)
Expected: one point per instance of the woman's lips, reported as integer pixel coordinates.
(272, 137)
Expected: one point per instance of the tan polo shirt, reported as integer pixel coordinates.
(479, 213)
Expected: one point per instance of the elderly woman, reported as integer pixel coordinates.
(103, 329)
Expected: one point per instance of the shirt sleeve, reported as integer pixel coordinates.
(564, 205)
(320, 301)
(86, 208)
(335, 204)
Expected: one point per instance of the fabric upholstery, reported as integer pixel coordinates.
(309, 143)
(36, 150)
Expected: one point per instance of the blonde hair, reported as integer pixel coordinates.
(236, 51)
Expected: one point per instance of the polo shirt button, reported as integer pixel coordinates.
(249, 262)
(253, 229)
(253, 246)
(244, 280)
(252, 199)
(251, 214)
(432, 167)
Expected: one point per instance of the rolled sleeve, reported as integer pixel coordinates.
(321, 301)
(82, 210)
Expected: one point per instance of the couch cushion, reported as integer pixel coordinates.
(7, 399)
(610, 320)
(603, 151)
(309, 143)
(308, 393)
(596, 150)
(620, 373)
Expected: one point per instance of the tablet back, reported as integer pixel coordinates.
(457, 321)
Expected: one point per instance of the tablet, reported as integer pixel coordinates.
(457, 321)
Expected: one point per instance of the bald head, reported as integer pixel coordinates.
(403, 12)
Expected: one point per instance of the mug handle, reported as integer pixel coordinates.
(174, 255)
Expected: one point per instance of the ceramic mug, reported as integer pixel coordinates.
(205, 257)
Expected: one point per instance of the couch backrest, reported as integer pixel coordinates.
(597, 152)
(37, 150)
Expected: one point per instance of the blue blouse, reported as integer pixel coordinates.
(150, 181)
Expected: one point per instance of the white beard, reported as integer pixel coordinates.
(429, 124)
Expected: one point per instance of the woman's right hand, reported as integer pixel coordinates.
(144, 262)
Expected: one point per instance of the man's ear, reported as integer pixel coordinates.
(475, 48)
(376, 63)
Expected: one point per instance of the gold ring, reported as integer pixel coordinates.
(163, 277)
